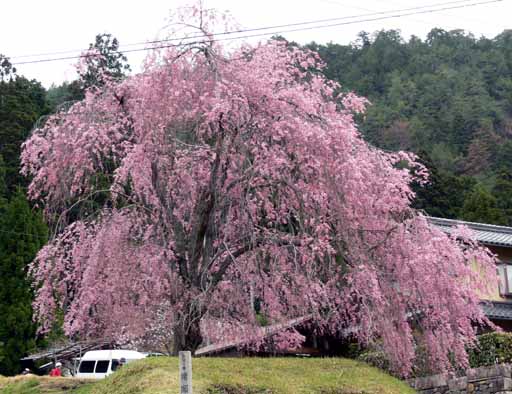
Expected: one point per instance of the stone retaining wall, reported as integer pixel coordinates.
(496, 379)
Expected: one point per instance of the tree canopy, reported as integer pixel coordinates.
(6, 68)
(22, 102)
(102, 62)
(22, 230)
(22, 234)
(214, 181)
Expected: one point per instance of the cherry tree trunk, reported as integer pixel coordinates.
(187, 331)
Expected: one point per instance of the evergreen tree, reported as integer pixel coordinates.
(22, 233)
(68, 92)
(22, 102)
(103, 60)
(502, 191)
(444, 194)
(481, 206)
(7, 71)
(3, 183)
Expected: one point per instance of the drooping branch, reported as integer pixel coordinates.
(239, 189)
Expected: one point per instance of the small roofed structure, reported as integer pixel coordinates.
(498, 239)
(486, 234)
(67, 354)
(231, 347)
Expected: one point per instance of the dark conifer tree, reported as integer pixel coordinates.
(22, 234)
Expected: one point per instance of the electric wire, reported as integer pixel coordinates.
(377, 18)
(373, 13)
(422, 21)
(466, 19)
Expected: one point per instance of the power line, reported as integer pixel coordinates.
(276, 32)
(372, 13)
(333, 2)
(447, 15)
(408, 9)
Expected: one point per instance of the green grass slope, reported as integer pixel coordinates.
(43, 385)
(159, 375)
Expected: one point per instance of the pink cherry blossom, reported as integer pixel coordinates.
(215, 181)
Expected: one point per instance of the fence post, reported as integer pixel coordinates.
(185, 372)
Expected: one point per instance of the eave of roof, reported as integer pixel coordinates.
(487, 234)
(264, 332)
(67, 351)
(496, 310)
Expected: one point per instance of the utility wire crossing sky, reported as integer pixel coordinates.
(327, 20)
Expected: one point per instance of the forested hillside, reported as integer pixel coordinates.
(448, 98)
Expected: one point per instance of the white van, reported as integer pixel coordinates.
(97, 364)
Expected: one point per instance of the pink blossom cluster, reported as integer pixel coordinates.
(234, 180)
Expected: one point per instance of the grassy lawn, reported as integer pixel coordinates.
(43, 385)
(159, 375)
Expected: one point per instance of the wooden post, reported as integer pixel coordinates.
(185, 372)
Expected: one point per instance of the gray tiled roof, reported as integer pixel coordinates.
(497, 310)
(263, 331)
(488, 234)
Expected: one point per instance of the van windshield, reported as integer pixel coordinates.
(115, 364)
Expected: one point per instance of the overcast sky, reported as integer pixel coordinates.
(30, 27)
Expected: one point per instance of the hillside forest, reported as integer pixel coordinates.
(447, 97)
